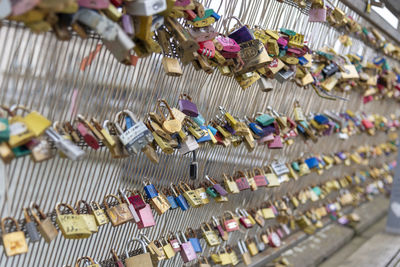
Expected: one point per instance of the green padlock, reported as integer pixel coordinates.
(20, 151)
(4, 130)
(211, 192)
(265, 119)
(295, 166)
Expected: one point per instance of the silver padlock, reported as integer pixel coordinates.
(145, 7)
(135, 138)
(284, 75)
(157, 22)
(5, 8)
(265, 84)
(105, 27)
(121, 46)
(189, 145)
(66, 146)
(130, 206)
(31, 229)
(260, 245)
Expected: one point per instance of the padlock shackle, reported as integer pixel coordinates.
(33, 206)
(190, 231)
(96, 124)
(15, 107)
(65, 205)
(94, 205)
(229, 213)
(182, 184)
(225, 25)
(159, 101)
(26, 215)
(133, 240)
(109, 196)
(84, 202)
(3, 221)
(146, 239)
(174, 188)
(87, 258)
(241, 173)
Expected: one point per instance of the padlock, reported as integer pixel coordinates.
(242, 34)
(207, 49)
(252, 246)
(265, 84)
(171, 66)
(4, 128)
(145, 8)
(146, 217)
(179, 198)
(276, 143)
(192, 236)
(105, 27)
(44, 224)
(203, 34)
(98, 213)
(19, 132)
(193, 167)
(243, 219)
(65, 146)
(221, 191)
(111, 141)
(209, 235)
(232, 254)
(172, 239)
(258, 217)
(260, 245)
(201, 191)
(259, 177)
(121, 46)
(253, 55)
(230, 225)
(138, 260)
(102, 4)
(35, 122)
(242, 181)
(40, 149)
(117, 260)
(131, 207)
(118, 214)
(190, 195)
(170, 197)
(231, 185)
(203, 262)
(252, 182)
(187, 251)
(167, 248)
(135, 138)
(187, 106)
(171, 125)
(154, 247)
(30, 226)
(160, 204)
(225, 258)
(150, 189)
(245, 253)
(72, 226)
(274, 239)
(89, 217)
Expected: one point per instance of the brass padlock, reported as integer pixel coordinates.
(99, 213)
(44, 224)
(14, 243)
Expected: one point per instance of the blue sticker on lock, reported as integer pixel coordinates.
(129, 122)
(172, 202)
(312, 162)
(182, 203)
(151, 191)
(196, 244)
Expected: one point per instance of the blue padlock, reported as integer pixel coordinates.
(190, 233)
(206, 137)
(212, 129)
(321, 119)
(312, 162)
(257, 129)
(215, 16)
(199, 120)
(180, 199)
(303, 61)
(150, 190)
(171, 199)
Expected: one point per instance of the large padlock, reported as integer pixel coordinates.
(145, 7)
(118, 214)
(190, 195)
(143, 259)
(88, 217)
(72, 226)
(135, 138)
(253, 55)
(98, 213)
(31, 229)
(44, 225)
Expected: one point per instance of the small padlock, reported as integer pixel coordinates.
(209, 235)
(167, 248)
(187, 251)
(245, 253)
(65, 146)
(118, 214)
(98, 213)
(179, 198)
(33, 233)
(192, 236)
(138, 260)
(172, 239)
(131, 207)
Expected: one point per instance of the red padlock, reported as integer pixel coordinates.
(174, 242)
(230, 225)
(136, 199)
(207, 49)
(89, 139)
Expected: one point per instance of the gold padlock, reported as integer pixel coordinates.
(171, 66)
(72, 226)
(99, 213)
(190, 195)
(14, 243)
(89, 218)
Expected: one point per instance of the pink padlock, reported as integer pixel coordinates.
(98, 4)
(89, 139)
(264, 140)
(228, 44)
(20, 7)
(282, 41)
(317, 15)
(276, 144)
(146, 217)
(187, 251)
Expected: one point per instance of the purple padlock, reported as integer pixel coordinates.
(329, 131)
(187, 106)
(317, 15)
(241, 35)
(127, 24)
